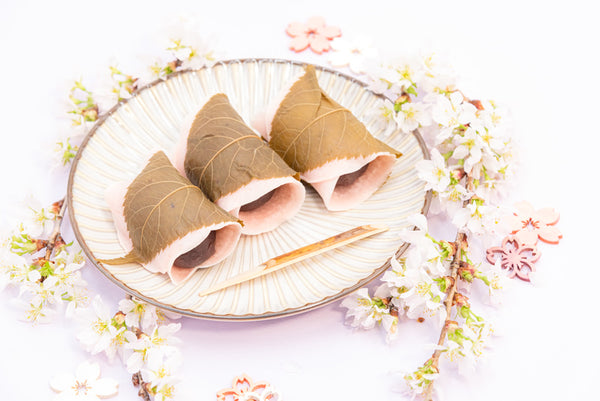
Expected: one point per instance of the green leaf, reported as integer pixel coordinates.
(310, 129)
(161, 206)
(224, 154)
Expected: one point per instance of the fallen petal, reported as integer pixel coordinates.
(61, 382)
(87, 371)
(106, 387)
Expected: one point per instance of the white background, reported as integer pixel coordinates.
(538, 58)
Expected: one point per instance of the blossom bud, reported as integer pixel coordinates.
(59, 241)
(174, 64)
(460, 300)
(403, 98)
(445, 283)
(457, 174)
(90, 113)
(451, 326)
(119, 318)
(39, 262)
(449, 247)
(467, 271)
(135, 379)
(40, 244)
(477, 103)
(464, 243)
(148, 387)
(56, 206)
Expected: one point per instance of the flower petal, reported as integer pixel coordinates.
(418, 220)
(106, 387)
(296, 29)
(319, 44)
(547, 215)
(527, 237)
(61, 382)
(549, 234)
(315, 23)
(330, 32)
(89, 371)
(514, 223)
(299, 43)
(525, 210)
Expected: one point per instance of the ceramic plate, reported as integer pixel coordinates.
(122, 138)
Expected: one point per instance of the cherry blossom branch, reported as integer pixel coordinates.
(55, 238)
(460, 246)
(137, 378)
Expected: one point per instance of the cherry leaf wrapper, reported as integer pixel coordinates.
(236, 169)
(167, 224)
(326, 143)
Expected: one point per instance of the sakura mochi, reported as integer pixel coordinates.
(166, 224)
(330, 148)
(236, 168)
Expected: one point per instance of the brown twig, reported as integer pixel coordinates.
(137, 380)
(460, 245)
(461, 240)
(55, 237)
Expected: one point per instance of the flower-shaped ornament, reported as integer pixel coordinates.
(314, 34)
(515, 257)
(528, 224)
(243, 389)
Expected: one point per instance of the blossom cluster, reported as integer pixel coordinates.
(469, 142)
(139, 334)
(183, 51)
(45, 280)
(45, 273)
(416, 287)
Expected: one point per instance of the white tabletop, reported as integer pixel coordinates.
(537, 58)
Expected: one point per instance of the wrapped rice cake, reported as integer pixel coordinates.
(236, 169)
(333, 151)
(167, 224)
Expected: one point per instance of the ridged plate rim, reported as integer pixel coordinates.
(225, 317)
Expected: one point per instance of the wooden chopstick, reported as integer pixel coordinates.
(297, 255)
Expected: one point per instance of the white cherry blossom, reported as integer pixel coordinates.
(434, 172)
(363, 310)
(412, 115)
(100, 332)
(84, 385)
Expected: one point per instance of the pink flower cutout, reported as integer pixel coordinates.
(314, 34)
(529, 224)
(243, 389)
(516, 257)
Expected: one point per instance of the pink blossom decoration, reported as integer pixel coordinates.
(243, 389)
(528, 224)
(314, 34)
(516, 257)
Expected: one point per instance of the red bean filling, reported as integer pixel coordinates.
(248, 207)
(350, 178)
(199, 254)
